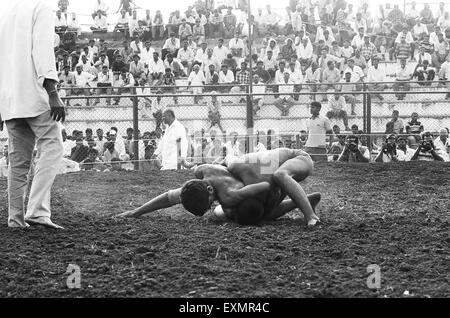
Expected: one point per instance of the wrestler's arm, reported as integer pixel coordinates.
(250, 191)
(163, 201)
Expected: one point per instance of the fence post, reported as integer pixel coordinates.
(369, 121)
(179, 154)
(364, 109)
(136, 129)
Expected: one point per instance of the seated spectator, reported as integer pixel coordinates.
(337, 108)
(426, 151)
(158, 26)
(237, 47)
(402, 78)
(92, 162)
(229, 24)
(305, 53)
(122, 25)
(197, 79)
(110, 153)
(348, 88)
(60, 23)
(79, 152)
(442, 50)
(172, 45)
(330, 77)
(119, 144)
(296, 77)
(124, 84)
(376, 76)
(156, 69)
(425, 74)
(104, 84)
(82, 83)
(186, 57)
(147, 53)
(231, 63)
(4, 163)
(73, 25)
(395, 126)
(270, 64)
(210, 60)
(214, 107)
(442, 144)
(175, 67)
(216, 24)
(226, 77)
(242, 78)
(312, 77)
(100, 6)
(389, 152)
(220, 52)
(354, 151)
(360, 60)
(184, 31)
(151, 163)
(419, 30)
(285, 102)
(137, 68)
(126, 52)
(358, 39)
(118, 65)
(426, 14)
(134, 25)
(169, 85)
(263, 74)
(368, 49)
(403, 49)
(136, 45)
(325, 58)
(336, 148)
(404, 153)
(101, 25)
(423, 56)
(258, 88)
(86, 64)
(212, 78)
(357, 74)
(414, 127)
(66, 82)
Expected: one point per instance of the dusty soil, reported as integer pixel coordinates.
(395, 216)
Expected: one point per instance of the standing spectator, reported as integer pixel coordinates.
(414, 127)
(184, 31)
(214, 115)
(229, 24)
(395, 126)
(216, 24)
(403, 76)
(337, 108)
(158, 26)
(425, 74)
(197, 79)
(126, 5)
(168, 147)
(318, 128)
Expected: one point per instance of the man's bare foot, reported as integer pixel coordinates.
(46, 222)
(313, 222)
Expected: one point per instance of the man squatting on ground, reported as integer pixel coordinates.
(267, 177)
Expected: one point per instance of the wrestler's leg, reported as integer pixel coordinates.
(288, 206)
(287, 178)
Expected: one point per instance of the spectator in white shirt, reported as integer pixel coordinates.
(136, 45)
(60, 22)
(358, 39)
(296, 77)
(73, 25)
(104, 84)
(186, 57)
(357, 73)
(258, 88)
(123, 84)
(220, 52)
(168, 147)
(100, 23)
(285, 102)
(419, 29)
(226, 77)
(100, 6)
(305, 53)
(197, 79)
(172, 45)
(270, 21)
(82, 83)
(442, 144)
(147, 53)
(312, 77)
(133, 24)
(156, 70)
(318, 127)
(337, 108)
(378, 75)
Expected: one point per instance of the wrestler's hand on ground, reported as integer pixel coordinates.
(57, 110)
(128, 215)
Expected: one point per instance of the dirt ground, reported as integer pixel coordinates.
(395, 216)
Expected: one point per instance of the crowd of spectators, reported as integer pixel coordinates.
(327, 48)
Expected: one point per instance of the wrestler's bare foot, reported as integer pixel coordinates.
(44, 221)
(314, 199)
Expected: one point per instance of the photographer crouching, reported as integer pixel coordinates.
(427, 150)
(354, 151)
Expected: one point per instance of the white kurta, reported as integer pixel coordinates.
(26, 65)
(167, 148)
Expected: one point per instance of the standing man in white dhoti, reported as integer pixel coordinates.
(30, 107)
(168, 147)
